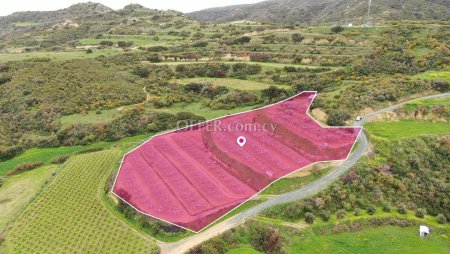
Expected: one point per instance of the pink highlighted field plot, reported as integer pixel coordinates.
(192, 177)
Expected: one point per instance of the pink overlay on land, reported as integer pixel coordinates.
(193, 176)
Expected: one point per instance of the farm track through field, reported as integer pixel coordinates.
(184, 245)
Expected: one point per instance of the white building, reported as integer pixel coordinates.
(424, 231)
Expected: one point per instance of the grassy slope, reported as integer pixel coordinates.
(290, 184)
(198, 109)
(73, 215)
(387, 239)
(231, 83)
(243, 250)
(434, 75)
(91, 117)
(58, 56)
(428, 103)
(18, 190)
(406, 128)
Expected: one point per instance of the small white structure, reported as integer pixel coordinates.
(350, 25)
(359, 118)
(424, 231)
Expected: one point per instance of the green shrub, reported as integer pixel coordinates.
(242, 40)
(297, 38)
(420, 212)
(325, 215)
(371, 209)
(386, 208)
(200, 44)
(310, 218)
(338, 117)
(157, 48)
(357, 212)
(60, 159)
(141, 72)
(440, 218)
(107, 43)
(4, 79)
(125, 44)
(24, 167)
(337, 29)
(341, 213)
(265, 238)
(91, 150)
(401, 209)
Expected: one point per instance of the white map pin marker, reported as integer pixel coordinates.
(241, 141)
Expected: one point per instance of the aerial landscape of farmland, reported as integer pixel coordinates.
(193, 176)
(225, 126)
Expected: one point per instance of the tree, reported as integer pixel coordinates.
(125, 44)
(401, 209)
(297, 38)
(310, 218)
(340, 214)
(198, 36)
(325, 215)
(338, 117)
(337, 29)
(107, 43)
(243, 40)
(89, 51)
(371, 209)
(200, 44)
(440, 218)
(420, 212)
(141, 72)
(386, 208)
(273, 92)
(267, 239)
(357, 212)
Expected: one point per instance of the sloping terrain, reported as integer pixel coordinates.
(193, 176)
(84, 20)
(317, 11)
(68, 216)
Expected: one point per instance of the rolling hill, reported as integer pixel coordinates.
(328, 11)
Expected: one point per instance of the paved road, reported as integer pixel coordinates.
(304, 192)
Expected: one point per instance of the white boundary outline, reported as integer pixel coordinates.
(256, 194)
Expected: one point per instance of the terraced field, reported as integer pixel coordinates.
(71, 211)
(231, 83)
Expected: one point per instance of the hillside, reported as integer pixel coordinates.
(328, 11)
(74, 11)
(87, 19)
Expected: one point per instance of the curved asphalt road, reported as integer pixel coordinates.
(308, 190)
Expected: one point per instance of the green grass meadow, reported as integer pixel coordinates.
(231, 83)
(59, 56)
(244, 250)
(386, 240)
(428, 103)
(434, 75)
(394, 130)
(47, 154)
(19, 190)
